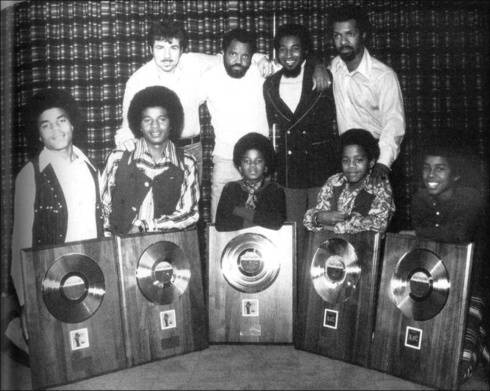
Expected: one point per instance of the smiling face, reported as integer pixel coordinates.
(355, 164)
(155, 125)
(55, 129)
(290, 54)
(166, 54)
(438, 177)
(252, 166)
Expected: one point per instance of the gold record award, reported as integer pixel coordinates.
(420, 284)
(335, 270)
(73, 288)
(163, 272)
(250, 263)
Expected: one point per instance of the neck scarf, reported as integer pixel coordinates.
(251, 189)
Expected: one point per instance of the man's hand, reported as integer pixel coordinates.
(321, 78)
(265, 66)
(124, 139)
(379, 173)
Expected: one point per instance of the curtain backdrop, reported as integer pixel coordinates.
(439, 50)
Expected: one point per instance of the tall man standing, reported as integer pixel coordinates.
(303, 118)
(366, 91)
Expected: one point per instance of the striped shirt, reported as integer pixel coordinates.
(186, 212)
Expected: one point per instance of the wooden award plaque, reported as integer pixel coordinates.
(251, 285)
(422, 306)
(163, 303)
(73, 311)
(336, 299)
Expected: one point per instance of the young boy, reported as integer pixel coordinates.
(349, 202)
(57, 192)
(445, 210)
(253, 200)
(155, 187)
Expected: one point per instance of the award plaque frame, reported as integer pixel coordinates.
(67, 341)
(341, 329)
(176, 325)
(252, 285)
(419, 350)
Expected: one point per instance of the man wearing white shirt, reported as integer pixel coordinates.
(366, 91)
(233, 92)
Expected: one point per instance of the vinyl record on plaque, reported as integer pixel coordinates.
(250, 262)
(420, 284)
(73, 288)
(163, 272)
(335, 271)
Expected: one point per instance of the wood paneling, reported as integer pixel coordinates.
(275, 321)
(52, 359)
(351, 340)
(436, 363)
(146, 340)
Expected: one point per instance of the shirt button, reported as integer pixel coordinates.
(290, 152)
(437, 213)
(303, 132)
(437, 225)
(147, 184)
(288, 132)
(133, 209)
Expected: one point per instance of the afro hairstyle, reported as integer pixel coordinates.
(254, 141)
(362, 138)
(156, 96)
(38, 104)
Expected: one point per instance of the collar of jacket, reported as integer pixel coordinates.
(308, 99)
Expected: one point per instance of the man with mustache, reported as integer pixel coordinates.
(303, 118)
(366, 91)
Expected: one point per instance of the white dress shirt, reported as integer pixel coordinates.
(370, 98)
(236, 106)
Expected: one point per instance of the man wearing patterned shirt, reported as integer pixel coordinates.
(366, 91)
(155, 187)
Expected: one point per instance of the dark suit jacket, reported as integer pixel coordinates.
(307, 140)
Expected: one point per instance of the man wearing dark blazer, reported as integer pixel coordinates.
(302, 123)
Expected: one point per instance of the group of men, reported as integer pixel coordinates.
(295, 106)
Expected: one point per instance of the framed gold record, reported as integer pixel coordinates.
(251, 285)
(73, 311)
(422, 305)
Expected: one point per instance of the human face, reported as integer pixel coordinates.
(290, 55)
(155, 125)
(355, 164)
(252, 166)
(237, 59)
(348, 40)
(55, 129)
(438, 177)
(166, 54)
